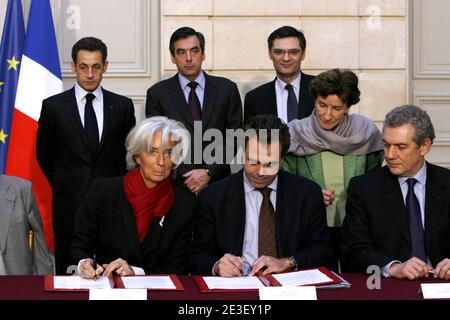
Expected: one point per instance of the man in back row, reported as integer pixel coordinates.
(81, 136)
(398, 216)
(199, 101)
(288, 95)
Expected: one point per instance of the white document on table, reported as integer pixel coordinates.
(436, 290)
(301, 278)
(77, 282)
(148, 282)
(117, 294)
(287, 293)
(233, 283)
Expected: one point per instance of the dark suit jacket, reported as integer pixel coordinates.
(222, 109)
(300, 218)
(263, 99)
(106, 225)
(376, 229)
(67, 160)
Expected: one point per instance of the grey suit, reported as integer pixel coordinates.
(19, 214)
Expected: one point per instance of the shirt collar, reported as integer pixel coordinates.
(200, 80)
(420, 176)
(295, 83)
(248, 187)
(80, 93)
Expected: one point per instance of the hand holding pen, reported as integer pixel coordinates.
(89, 269)
(229, 266)
(94, 266)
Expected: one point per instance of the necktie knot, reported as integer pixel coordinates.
(192, 85)
(289, 87)
(194, 103)
(265, 192)
(89, 97)
(411, 183)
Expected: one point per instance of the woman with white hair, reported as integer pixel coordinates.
(140, 220)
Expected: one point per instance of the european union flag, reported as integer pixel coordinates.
(10, 56)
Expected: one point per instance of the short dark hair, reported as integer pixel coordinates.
(287, 32)
(268, 122)
(183, 33)
(90, 44)
(341, 82)
(415, 116)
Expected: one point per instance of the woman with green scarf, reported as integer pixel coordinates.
(331, 146)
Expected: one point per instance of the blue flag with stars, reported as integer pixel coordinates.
(10, 56)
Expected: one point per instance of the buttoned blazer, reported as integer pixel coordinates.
(222, 110)
(376, 230)
(300, 223)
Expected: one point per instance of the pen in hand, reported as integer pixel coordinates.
(94, 265)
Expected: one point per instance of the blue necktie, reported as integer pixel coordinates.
(415, 223)
(194, 103)
(90, 122)
(292, 105)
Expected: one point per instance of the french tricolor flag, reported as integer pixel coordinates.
(39, 78)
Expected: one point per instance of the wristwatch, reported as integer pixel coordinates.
(294, 263)
(208, 172)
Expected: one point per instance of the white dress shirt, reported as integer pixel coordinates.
(282, 96)
(253, 200)
(97, 104)
(199, 90)
(419, 190)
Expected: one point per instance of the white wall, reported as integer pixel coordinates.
(398, 48)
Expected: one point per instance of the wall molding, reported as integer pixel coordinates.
(140, 67)
(424, 67)
(435, 105)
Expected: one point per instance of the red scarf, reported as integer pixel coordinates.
(147, 203)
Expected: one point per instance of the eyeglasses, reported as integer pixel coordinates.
(294, 52)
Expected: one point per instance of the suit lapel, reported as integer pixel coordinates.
(71, 109)
(176, 93)
(6, 204)
(270, 100)
(235, 210)
(304, 88)
(434, 201)
(305, 98)
(285, 210)
(108, 116)
(208, 102)
(393, 200)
